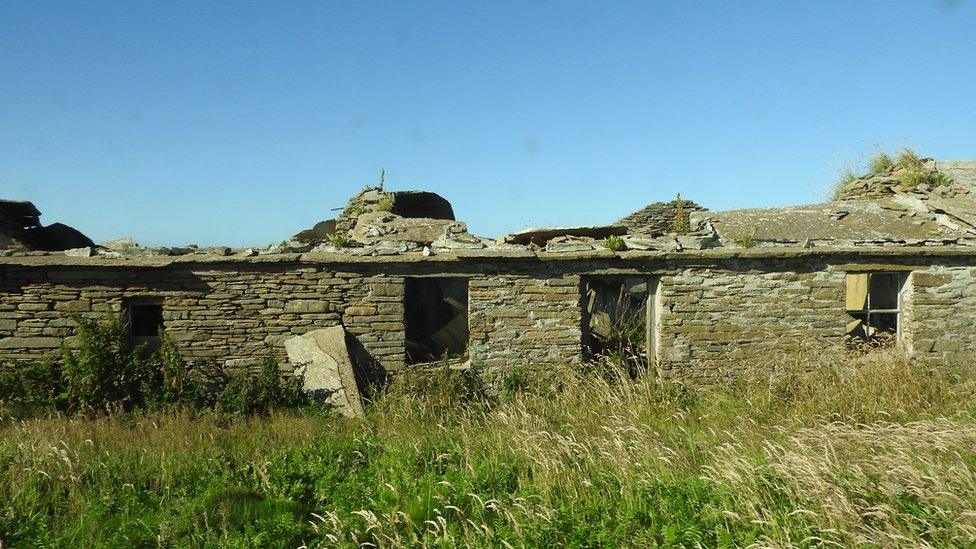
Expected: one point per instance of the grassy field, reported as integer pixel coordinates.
(873, 451)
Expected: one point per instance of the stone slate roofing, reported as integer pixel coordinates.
(879, 210)
(657, 218)
(884, 210)
(963, 172)
(880, 222)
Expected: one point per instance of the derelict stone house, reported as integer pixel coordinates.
(409, 285)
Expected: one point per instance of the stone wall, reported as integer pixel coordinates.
(525, 320)
(709, 316)
(521, 311)
(941, 319)
(230, 316)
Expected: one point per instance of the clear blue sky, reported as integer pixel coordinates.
(242, 123)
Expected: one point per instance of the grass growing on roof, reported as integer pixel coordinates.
(748, 241)
(339, 240)
(908, 159)
(881, 162)
(847, 176)
(385, 203)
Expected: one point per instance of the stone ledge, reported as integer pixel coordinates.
(476, 256)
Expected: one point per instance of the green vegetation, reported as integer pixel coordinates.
(748, 241)
(251, 393)
(103, 370)
(940, 179)
(915, 177)
(339, 240)
(908, 160)
(681, 224)
(908, 167)
(847, 176)
(614, 242)
(881, 163)
(102, 373)
(385, 204)
(827, 450)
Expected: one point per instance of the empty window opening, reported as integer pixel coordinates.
(617, 319)
(436, 318)
(145, 321)
(874, 302)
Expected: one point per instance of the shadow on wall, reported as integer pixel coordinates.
(210, 332)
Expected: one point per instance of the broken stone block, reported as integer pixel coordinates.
(697, 242)
(458, 242)
(319, 232)
(79, 252)
(119, 244)
(326, 248)
(273, 249)
(373, 227)
(660, 244)
(329, 373)
(390, 248)
(570, 246)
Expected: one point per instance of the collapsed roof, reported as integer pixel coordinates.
(21, 230)
(882, 209)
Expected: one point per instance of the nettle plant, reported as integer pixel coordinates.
(102, 371)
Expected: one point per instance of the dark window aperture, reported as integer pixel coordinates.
(615, 321)
(145, 319)
(874, 302)
(436, 318)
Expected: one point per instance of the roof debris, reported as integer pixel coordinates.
(884, 210)
(21, 230)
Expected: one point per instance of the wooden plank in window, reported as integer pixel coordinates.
(857, 291)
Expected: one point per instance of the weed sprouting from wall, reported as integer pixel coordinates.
(847, 176)
(339, 240)
(614, 243)
(682, 219)
(748, 241)
(385, 203)
(908, 170)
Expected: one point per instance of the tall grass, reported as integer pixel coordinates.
(813, 451)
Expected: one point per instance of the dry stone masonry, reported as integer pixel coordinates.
(735, 285)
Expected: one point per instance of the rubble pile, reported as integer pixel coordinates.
(657, 219)
(923, 181)
(927, 205)
(375, 222)
(21, 230)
